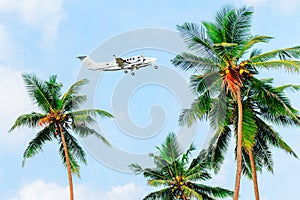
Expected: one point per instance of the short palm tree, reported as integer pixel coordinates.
(218, 53)
(179, 179)
(262, 103)
(59, 118)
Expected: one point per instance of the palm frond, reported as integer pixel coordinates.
(73, 90)
(289, 87)
(217, 147)
(190, 62)
(246, 166)
(161, 194)
(84, 131)
(185, 156)
(170, 150)
(74, 102)
(249, 127)
(199, 110)
(74, 148)
(208, 83)
(54, 91)
(274, 138)
(288, 65)
(38, 92)
(263, 155)
(217, 114)
(158, 182)
(213, 192)
(273, 103)
(282, 54)
(36, 144)
(136, 168)
(29, 120)
(92, 112)
(192, 192)
(251, 42)
(196, 173)
(237, 24)
(196, 39)
(75, 167)
(83, 119)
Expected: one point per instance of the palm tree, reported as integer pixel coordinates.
(59, 118)
(266, 103)
(218, 52)
(177, 177)
(261, 103)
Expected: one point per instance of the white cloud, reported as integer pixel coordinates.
(126, 192)
(41, 190)
(48, 191)
(283, 7)
(41, 15)
(253, 3)
(7, 47)
(286, 7)
(13, 102)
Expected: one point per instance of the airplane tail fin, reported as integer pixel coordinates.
(88, 62)
(81, 57)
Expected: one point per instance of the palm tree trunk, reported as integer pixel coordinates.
(67, 161)
(254, 175)
(239, 146)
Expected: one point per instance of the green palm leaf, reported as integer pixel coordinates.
(193, 63)
(30, 120)
(161, 194)
(59, 116)
(36, 144)
(38, 91)
(84, 131)
(175, 177)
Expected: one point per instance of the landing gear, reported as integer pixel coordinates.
(125, 71)
(155, 67)
(132, 73)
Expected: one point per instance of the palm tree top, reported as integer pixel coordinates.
(179, 177)
(227, 42)
(58, 109)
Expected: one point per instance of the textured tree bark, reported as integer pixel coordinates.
(239, 147)
(67, 162)
(254, 175)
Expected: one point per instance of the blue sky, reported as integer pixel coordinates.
(44, 37)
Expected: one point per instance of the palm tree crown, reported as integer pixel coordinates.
(223, 53)
(179, 179)
(59, 118)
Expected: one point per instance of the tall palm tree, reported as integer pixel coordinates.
(59, 118)
(218, 52)
(261, 102)
(179, 178)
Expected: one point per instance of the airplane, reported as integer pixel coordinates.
(131, 63)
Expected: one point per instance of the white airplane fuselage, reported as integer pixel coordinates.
(130, 63)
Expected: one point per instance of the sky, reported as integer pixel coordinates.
(45, 37)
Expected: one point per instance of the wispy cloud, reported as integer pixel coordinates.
(283, 7)
(40, 15)
(13, 102)
(253, 3)
(48, 191)
(7, 46)
(126, 192)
